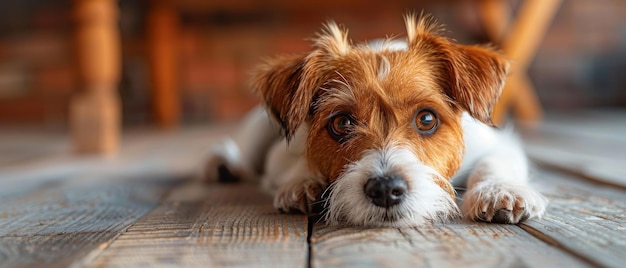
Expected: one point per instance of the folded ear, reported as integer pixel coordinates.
(476, 76)
(289, 84)
(279, 84)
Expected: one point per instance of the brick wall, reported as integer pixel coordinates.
(36, 68)
(580, 63)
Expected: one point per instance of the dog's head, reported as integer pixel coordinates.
(384, 118)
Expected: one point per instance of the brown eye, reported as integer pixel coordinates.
(340, 126)
(426, 121)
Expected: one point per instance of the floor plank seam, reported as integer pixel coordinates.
(310, 223)
(576, 173)
(93, 255)
(552, 242)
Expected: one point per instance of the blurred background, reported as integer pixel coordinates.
(580, 62)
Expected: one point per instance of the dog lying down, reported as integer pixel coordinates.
(382, 132)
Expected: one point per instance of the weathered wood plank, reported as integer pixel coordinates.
(162, 153)
(584, 225)
(454, 244)
(214, 225)
(53, 211)
(591, 144)
(598, 160)
(586, 219)
(184, 147)
(50, 213)
(24, 145)
(458, 244)
(56, 225)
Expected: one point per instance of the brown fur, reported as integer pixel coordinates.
(383, 91)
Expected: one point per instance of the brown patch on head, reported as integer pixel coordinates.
(381, 91)
(473, 76)
(384, 110)
(288, 84)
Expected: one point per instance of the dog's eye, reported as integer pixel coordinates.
(340, 126)
(426, 121)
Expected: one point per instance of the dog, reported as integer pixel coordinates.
(380, 133)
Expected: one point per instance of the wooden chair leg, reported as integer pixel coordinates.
(162, 32)
(95, 110)
(495, 15)
(520, 45)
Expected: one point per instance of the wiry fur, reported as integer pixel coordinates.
(418, 26)
(382, 86)
(426, 201)
(333, 40)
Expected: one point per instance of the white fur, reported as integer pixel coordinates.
(244, 154)
(383, 68)
(379, 45)
(424, 202)
(287, 175)
(479, 140)
(283, 159)
(498, 181)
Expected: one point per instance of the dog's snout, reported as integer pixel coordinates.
(386, 191)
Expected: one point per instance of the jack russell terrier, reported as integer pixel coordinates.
(381, 132)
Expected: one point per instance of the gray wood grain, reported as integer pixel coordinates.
(587, 219)
(26, 145)
(56, 225)
(458, 244)
(210, 226)
(591, 144)
(58, 209)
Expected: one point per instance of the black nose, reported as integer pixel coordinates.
(386, 191)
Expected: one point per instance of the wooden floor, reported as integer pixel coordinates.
(142, 208)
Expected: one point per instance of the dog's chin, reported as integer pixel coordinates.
(424, 203)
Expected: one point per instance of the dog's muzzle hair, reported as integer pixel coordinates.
(388, 187)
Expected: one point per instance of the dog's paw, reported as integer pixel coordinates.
(223, 164)
(298, 195)
(217, 169)
(502, 203)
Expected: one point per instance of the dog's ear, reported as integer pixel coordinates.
(289, 84)
(473, 76)
(279, 84)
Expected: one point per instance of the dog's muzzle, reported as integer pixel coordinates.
(386, 192)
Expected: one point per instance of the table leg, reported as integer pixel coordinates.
(95, 110)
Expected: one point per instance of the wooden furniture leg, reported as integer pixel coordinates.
(495, 16)
(162, 31)
(520, 45)
(95, 110)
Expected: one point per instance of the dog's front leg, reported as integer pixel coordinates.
(297, 189)
(498, 190)
(242, 156)
(287, 175)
